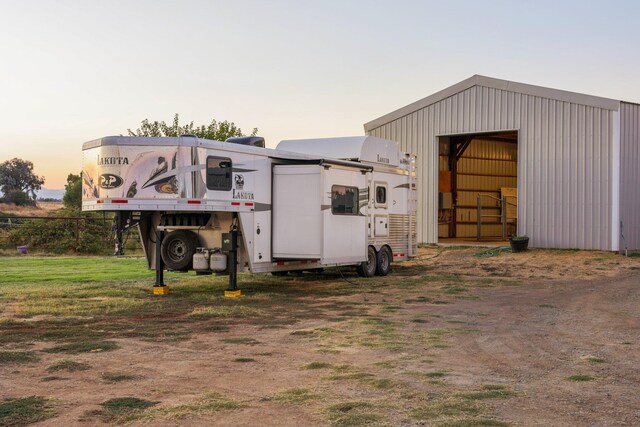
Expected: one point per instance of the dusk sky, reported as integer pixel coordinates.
(73, 71)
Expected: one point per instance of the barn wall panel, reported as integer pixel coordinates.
(630, 175)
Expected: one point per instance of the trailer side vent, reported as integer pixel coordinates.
(185, 220)
(254, 141)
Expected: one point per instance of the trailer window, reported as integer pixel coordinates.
(381, 195)
(344, 200)
(219, 173)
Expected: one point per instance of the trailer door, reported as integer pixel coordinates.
(344, 216)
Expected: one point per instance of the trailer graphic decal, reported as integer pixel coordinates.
(112, 161)
(242, 195)
(109, 181)
(87, 184)
(239, 179)
(140, 172)
(133, 190)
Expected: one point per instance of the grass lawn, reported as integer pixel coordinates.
(68, 270)
(116, 293)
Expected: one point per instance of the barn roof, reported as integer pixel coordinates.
(477, 80)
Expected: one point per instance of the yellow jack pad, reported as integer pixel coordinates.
(233, 294)
(161, 290)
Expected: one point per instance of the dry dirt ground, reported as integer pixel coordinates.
(534, 339)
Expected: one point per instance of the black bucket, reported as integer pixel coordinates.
(519, 245)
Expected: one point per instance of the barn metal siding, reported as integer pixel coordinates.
(630, 175)
(564, 161)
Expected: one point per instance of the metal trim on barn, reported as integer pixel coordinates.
(578, 158)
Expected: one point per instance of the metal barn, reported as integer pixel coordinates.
(497, 158)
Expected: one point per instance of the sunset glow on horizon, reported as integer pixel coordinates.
(74, 71)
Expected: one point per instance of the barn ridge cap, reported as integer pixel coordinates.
(491, 82)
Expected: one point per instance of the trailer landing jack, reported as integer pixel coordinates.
(233, 291)
(159, 288)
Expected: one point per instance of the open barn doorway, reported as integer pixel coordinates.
(477, 187)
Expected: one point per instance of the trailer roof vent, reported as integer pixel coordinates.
(254, 141)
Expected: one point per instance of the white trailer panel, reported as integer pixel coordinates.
(297, 221)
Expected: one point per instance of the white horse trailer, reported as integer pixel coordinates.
(223, 207)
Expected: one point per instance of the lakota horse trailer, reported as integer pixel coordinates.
(223, 207)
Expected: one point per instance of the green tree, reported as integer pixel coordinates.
(217, 131)
(72, 198)
(18, 182)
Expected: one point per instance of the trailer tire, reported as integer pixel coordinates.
(368, 268)
(383, 266)
(177, 250)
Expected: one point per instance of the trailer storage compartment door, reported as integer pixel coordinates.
(297, 214)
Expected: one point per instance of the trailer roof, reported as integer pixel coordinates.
(192, 141)
(359, 148)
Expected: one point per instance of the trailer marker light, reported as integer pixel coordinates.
(235, 203)
(248, 203)
(194, 202)
(280, 263)
(100, 201)
(119, 201)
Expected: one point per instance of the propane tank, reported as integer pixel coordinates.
(201, 259)
(218, 262)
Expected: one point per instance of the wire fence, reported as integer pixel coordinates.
(62, 234)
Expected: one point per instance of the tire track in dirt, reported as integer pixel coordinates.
(535, 336)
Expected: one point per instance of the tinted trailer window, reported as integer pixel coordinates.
(344, 200)
(219, 173)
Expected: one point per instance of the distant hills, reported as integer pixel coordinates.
(49, 193)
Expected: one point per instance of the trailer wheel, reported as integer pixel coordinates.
(383, 266)
(177, 249)
(368, 268)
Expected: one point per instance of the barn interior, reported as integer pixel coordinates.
(477, 187)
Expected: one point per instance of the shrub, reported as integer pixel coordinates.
(19, 198)
(65, 235)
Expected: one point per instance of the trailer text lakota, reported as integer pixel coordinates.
(224, 207)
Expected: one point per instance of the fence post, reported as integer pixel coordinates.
(77, 234)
